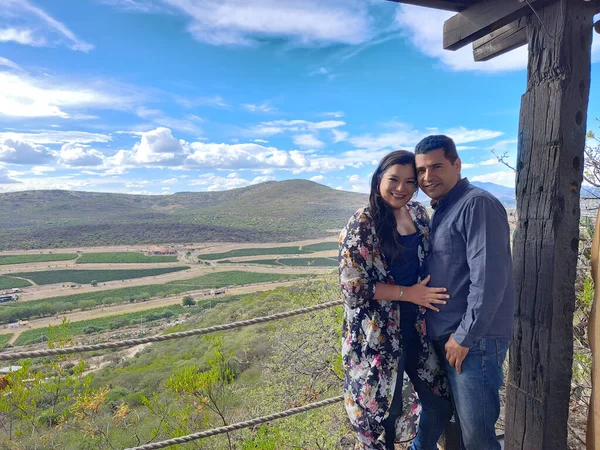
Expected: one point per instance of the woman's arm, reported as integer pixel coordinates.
(419, 294)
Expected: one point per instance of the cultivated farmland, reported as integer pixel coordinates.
(87, 276)
(123, 257)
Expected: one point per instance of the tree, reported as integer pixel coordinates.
(94, 283)
(188, 301)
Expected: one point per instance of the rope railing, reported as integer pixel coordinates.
(239, 425)
(165, 337)
(182, 334)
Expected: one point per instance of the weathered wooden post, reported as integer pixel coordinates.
(552, 131)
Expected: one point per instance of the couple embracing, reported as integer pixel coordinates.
(432, 299)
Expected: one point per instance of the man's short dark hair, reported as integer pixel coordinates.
(436, 142)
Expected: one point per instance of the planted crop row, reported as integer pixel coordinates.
(48, 257)
(123, 257)
(87, 276)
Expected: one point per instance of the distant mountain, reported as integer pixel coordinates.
(505, 194)
(273, 211)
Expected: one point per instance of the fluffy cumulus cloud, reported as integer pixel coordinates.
(24, 23)
(303, 22)
(18, 152)
(424, 27)
(77, 156)
(5, 176)
(159, 147)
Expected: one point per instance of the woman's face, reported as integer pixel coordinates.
(397, 185)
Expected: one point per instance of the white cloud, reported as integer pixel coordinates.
(76, 156)
(8, 63)
(307, 141)
(489, 162)
(334, 114)
(354, 178)
(17, 152)
(216, 102)
(424, 28)
(262, 108)
(261, 141)
(339, 136)
(158, 117)
(41, 170)
(5, 177)
(505, 178)
(280, 126)
(170, 181)
(24, 96)
(303, 22)
(317, 178)
(55, 137)
(140, 6)
(22, 36)
(42, 29)
(158, 147)
(404, 136)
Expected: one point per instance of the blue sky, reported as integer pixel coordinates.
(163, 96)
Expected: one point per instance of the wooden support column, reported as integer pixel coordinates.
(549, 174)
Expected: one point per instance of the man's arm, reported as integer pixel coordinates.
(487, 237)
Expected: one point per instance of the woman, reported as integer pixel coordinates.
(382, 250)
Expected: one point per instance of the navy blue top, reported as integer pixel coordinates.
(405, 272)
(470, 240)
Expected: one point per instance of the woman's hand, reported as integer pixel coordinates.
(421, 295)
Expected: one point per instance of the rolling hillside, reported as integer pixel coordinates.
(273, 211)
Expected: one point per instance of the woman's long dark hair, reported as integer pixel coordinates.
(385, 221)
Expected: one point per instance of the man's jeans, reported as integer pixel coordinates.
(475, 391)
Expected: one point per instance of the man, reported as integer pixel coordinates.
(470, 256)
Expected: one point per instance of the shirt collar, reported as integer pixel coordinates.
(455, 193)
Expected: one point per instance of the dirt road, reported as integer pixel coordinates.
(116, 310)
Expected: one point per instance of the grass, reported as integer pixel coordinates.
(48, 257)
(321, 246)
(4, 338)
(252, 252)
(11, 283)
(123, 257)
(87, 276)
(315, 262)
(11, 312)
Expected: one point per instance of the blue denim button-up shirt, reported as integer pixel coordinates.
(470, 239)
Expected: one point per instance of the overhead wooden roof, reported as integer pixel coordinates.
(448, 5)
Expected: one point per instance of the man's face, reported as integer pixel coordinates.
(437, 175)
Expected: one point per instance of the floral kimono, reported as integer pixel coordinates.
(371, 342)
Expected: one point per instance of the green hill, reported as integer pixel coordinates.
(267, 212)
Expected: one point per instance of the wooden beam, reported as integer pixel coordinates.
(550, 161)
(501, 41)
(484, 17)
(508, 38)
(447, 5)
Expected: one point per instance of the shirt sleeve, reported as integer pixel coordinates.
(356, 262)
(487, 237)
